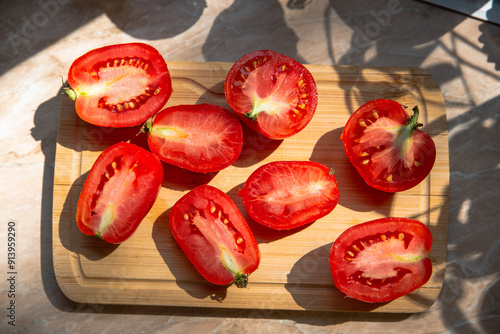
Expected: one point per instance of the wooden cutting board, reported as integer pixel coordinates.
(294, 274)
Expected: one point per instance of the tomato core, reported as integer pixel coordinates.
(111, 188)
(273, 94)
(286, 91)
(376, 252)
(129, 73)
(222, 235)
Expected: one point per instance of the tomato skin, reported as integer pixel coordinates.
(287, 194)
(120, 85)
(201, 138)
(222, 248)
(273, 94)
(390, 268)
(114, 215)
(386, 147)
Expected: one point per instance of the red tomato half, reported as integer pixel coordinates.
(120, 189)
(210, 229)
(273, 94)
(382, 259)
(386, 147)
(201, 138)
(119, 85)
(286, 194)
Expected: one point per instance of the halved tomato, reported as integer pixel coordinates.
(386, 147)
(119, 85)
(201, 138)
(286, 194)
(382, 259)
(215, 237)
(273, 94)
(120, 189)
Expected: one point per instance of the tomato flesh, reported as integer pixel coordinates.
(273, 94)
(119, 85)
(382, 260)
(386, 147)
(287, 194)
(215, 237)
(201, 138)
(119, 191)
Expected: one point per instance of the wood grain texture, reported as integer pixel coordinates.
(150, 269)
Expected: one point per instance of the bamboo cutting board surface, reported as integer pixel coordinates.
(294, 274)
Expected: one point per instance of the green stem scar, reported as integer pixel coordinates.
(70, 92)
(404, 135)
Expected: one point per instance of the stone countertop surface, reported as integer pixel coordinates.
(40, 39)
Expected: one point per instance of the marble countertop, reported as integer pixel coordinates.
(40, 39)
